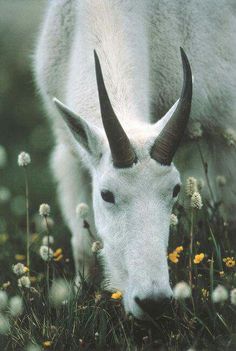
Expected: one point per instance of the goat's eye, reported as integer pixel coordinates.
(176, 190)
(108, 196)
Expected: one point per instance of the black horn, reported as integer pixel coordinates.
(169, 139)
(122, 152)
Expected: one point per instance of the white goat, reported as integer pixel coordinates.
(128, 178)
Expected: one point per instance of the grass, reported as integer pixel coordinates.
(89, 319)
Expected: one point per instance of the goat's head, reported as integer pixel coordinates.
(135, 185)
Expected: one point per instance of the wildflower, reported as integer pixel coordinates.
(96, 246)
(3, 300)
(174, 257)
(57, 253)
(16, 306)
(44, 210)
(48, 240)
(47, 344)
(4, 194)
(3, 157)
(205, 294)
(179, 249)
(24, 282)
(198, 258)
(229, 261)
(33, 347)
(233, 296)
(46, 253)
(4, 325)
(6, 285)
(191, 186)
(196, 201)
(173, 220)
(182, 291)
(20, 257)
(24, 159)
(221, 180)
(221, 273)
(59, 292)
(219, 294)
(230, 136)
(98, 297)
(82, 210)
(117, 295)
(195, 130)
(19, 269)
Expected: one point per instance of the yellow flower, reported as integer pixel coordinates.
(198, 258)
(19, 257)
(221, 273)
(26, 269)
(173, 257)
(57, 253)
(229, 261)
(179, 249)
(58, 258)
(47, 344)
(117, 295)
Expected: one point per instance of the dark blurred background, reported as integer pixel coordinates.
(23, 125)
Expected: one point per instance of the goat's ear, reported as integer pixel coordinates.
(87, 136)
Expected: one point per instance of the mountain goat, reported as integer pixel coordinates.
(116, 67)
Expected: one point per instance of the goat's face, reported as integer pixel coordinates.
(132, 208)
(135, 185)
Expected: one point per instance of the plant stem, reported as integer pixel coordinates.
(27, 220)
(205, 167)
(191, 249)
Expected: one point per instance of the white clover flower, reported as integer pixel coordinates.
(3, 157)
(96, 246)
(44, 210)
(3, 300)
(230, 136)
(4, 325)
(221, 180)
(19, 269)
(219, 294)
(82, 210)
(191, 186)
(16, 306)
(196, 201)
(5, 194)
(233, 296)
(24, 159)
(24, 282)
(59, 292)
(173, 220)
(46, 253)
(181, 291)
(48, 240)
(33, 347)
(195, 130)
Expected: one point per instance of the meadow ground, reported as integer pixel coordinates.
(40, 308)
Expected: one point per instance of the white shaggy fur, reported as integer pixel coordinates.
(138, 46)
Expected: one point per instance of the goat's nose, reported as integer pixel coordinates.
(155, 308)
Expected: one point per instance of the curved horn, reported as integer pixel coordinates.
(169, 139)
(122, 152)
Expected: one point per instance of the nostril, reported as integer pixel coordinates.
(154, 308)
